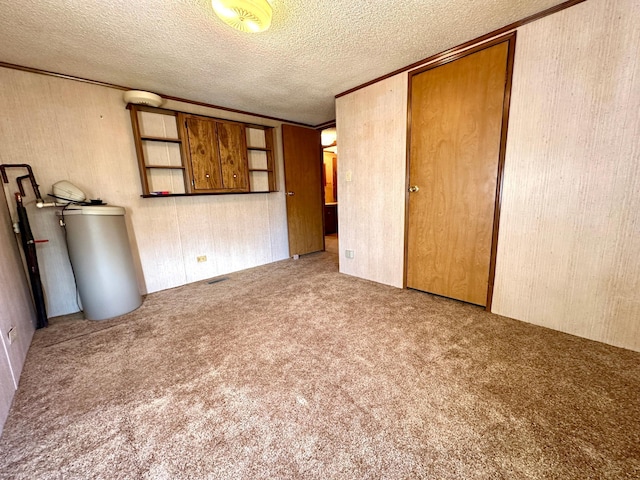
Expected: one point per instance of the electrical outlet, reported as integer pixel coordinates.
(201, 258)
(12, 334)
(349, 253)
(348, 176)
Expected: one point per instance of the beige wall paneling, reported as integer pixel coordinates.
(198, 234)
(371, 131)
(259, 181)
(16, 310)
(569, 244)
(7, 385)
(82, 133)
(235, 216)
(568, 251)
(218, 229)
(162, 153)
(157, 125)
(157, 231)
(256, 138)
(257, 159)
(162, 180)
(278, 206)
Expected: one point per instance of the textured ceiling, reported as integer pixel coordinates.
(314, 50)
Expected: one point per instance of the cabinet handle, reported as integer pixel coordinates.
(206, 175)
(414, 189)
(291, 194)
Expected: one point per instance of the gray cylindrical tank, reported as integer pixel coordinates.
(102, 262)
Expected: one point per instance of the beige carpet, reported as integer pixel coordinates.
(292, 370)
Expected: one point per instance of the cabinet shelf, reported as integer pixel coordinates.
(187, 154)
(160, 139)
(201, 193)
(168, 167)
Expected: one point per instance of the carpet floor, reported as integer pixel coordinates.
(292, 370)
(331, 243)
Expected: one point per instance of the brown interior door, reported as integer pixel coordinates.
(303, 187)
(232, 147)
(456, 127)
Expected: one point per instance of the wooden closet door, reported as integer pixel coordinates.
(456, 127)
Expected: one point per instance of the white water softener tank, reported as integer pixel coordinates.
(102, 262)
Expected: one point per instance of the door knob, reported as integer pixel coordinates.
(414, 188)
(291, 194)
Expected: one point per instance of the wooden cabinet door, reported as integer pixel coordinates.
(232, 148)
(456, 129)
(303, 184)
(203, 154)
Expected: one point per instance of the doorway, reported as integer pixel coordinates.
(330, 187)
(458, 120)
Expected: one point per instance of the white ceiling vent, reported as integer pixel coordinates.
(140, 97)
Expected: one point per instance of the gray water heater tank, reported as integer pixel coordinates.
(102, 262)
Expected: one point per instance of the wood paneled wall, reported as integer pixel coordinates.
(16, 310)
(372, 128)
(80, 132)
(569, 244)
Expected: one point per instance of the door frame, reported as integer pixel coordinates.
(320, 128)
(511, 39)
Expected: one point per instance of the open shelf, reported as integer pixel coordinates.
(160, 139)
(199, 193)
(168, 167)
(168, 144)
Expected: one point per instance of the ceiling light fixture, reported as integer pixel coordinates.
(245, 15)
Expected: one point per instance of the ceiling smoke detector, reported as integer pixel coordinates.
(140, 97)
(245, 15)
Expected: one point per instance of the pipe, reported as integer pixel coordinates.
(42, 204)
(31, 177)
(29, 248)
(34, 185)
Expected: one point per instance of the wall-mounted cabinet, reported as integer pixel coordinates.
(217, 155)
(185, 154)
